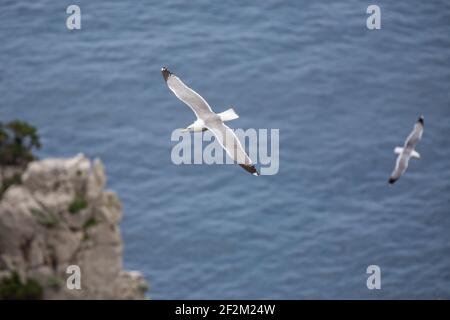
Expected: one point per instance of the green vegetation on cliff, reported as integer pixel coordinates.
(12, 288)
(17, 141)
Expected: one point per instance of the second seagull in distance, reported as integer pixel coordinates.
(408, 151)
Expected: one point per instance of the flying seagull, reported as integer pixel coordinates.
(407, 151)
(208, 120)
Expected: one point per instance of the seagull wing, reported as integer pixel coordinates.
(228, 140)
(400, 167)
(415, 136)
(195, 101)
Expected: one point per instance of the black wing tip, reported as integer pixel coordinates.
(421, 120)
(392, 181)
(250, 168)
(166, 73)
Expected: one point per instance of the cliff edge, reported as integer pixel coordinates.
(57, 213)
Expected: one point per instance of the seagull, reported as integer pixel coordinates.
(407, 151)
(208, 120)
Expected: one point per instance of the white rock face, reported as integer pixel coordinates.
(59, 216)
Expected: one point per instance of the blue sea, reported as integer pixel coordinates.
(341, 95)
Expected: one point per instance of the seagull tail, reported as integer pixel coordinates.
(228, 115)
(415, 154)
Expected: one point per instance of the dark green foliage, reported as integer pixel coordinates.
(13, 288)
(17, 139)
(143, 288)
(91, 222)
(78, 204)
(46, 219)
(54, 283)
(15, 179)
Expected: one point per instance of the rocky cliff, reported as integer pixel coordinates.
(57, 213)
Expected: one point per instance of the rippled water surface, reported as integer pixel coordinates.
(342, 96)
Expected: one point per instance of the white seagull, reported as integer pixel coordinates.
(407, 151)
(207, 119)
